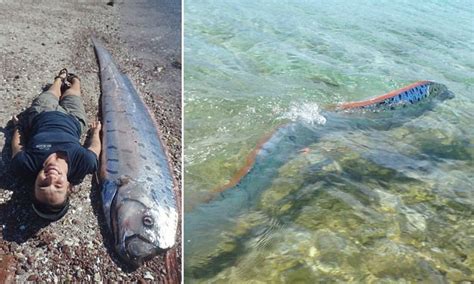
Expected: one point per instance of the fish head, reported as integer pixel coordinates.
(142, 228)
(436, 93)
(440, 92)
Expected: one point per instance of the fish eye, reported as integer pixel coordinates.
(148, 221)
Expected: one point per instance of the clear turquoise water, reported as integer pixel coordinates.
(359, 206)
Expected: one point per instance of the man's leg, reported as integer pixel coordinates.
(55, 88)
(71, 101)
(74, 89)
(48, 100)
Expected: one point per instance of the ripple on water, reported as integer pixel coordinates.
(305, 112)
(387, 206)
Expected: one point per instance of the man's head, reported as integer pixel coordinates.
(52, 189)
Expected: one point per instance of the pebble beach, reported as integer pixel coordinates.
(37, 39)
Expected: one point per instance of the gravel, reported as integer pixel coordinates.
(37, 39)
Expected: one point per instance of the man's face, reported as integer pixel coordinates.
(51, 184)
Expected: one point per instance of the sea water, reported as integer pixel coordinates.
(394, 206)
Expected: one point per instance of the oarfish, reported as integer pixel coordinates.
(137, 186)
(207, 221)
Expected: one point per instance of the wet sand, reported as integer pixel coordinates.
(37, 39)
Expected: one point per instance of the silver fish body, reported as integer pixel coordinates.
(137, 186)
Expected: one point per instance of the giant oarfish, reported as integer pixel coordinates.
(206, 222)
(137, 186)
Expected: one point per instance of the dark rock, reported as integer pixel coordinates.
(30, 259)
(66, 250)
(176, 64)
(32, 277)
(20, 271)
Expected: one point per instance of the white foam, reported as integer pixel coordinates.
(305, 112)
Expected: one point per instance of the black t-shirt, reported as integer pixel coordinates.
(52, 132)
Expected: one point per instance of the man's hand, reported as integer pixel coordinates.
(15, 120)
(95, 127)
(16, 138)
(94, 137)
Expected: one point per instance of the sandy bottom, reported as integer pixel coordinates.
(36, 41)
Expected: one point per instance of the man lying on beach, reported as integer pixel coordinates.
(51, 155)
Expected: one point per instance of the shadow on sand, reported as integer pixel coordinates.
(18, 222)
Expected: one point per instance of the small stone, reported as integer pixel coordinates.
(66, 250)
(97, 277)
(148, 276)
(14, 247)
(176, 64)
(32, 277)
(20, 257)
(30, 259)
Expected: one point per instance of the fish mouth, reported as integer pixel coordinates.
(136, 249)
(446, 95)
(133, 248)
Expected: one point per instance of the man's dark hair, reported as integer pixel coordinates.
(50, 212)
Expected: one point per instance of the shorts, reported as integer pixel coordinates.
(70, 104)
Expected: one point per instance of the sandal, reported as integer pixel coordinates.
(63, 75)
(71, 76)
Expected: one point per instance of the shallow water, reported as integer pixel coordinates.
(361, 205)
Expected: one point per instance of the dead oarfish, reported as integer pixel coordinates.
(137, 186)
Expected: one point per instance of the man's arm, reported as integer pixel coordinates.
(16, 139)
(93, 139)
